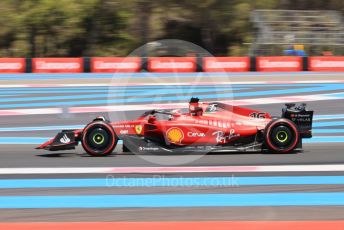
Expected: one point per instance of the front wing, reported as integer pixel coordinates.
(64, 140)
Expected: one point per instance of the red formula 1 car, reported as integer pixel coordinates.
(206, 127)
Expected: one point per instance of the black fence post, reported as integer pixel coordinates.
(305, 63)
(144, 64)
(28, 65)
(199, 63)
(87, 64)
(253, 64)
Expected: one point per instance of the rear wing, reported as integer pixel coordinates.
(302, 117)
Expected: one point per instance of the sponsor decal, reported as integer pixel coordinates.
(124, 131)
(258, 115)
(216, 123)
(326, 63)
(172, 64)
(195, 134)
(212, 108)
(123, 126)
(138, 129)
(57, 65)
(12, 65)
(175, 135)
(64, 139)
(115, 64)
(226, 64)
(221, 137)
(279, 63)
(141, 148)
(301, 117)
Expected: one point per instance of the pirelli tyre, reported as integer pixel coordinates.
(281, 136)
(99, 138)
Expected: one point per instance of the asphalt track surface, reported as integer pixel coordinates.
(24, 156)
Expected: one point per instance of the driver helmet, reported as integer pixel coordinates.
(194, 108)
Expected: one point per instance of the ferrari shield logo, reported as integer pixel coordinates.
(138, 129)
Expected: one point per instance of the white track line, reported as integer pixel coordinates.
(18, 112)
(195, 169)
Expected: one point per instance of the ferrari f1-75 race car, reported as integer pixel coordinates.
(206, 127)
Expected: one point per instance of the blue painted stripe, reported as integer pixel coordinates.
(133, 99)
(323, 131)
(23, 140)
(327, 124)
(42, 90)
(325, 139)
(170, 182)
(163, 97)
(144, 87)
(173, 200)
(7, 95)
(111, 94)
(338, 95)
(329, 116)
(49, 92)
(119, 100)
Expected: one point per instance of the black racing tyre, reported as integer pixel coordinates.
(281, 136)
(99, 139)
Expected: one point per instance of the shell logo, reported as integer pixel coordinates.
(175, 135)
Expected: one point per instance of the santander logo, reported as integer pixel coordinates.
(278, 64)
(65, 139)
(13, 66)
(225, 64)
(322, 63)
(57, 65)
(171, 65)
(115, 65)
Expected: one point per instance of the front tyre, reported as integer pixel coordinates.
(281, 136)
(99, 139)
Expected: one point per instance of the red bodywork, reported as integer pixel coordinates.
(214, 125)
(210, 127)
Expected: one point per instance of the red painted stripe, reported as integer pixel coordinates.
(213, 225)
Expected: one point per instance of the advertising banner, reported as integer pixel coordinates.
(57, 65)
(115, 64)
(12, 65)
(172, 64)
(326, 63)
(279, 64)
(226, 64)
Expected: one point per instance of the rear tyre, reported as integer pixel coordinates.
(99, 139)
(281, 136)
